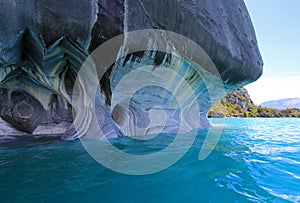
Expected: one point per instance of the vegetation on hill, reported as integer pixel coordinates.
(239, 104)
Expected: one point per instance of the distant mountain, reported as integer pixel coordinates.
(283, 103)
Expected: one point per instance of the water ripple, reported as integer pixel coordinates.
(256, 160)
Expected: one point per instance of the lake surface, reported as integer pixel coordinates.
(255, 160)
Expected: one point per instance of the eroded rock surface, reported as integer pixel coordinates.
(21, 109)
(44, 43)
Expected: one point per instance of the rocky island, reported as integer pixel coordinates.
(43, 45)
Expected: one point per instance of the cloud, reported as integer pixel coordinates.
(266, 89)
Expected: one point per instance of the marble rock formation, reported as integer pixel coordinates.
(43, 44)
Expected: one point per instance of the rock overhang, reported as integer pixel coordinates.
(222, 28)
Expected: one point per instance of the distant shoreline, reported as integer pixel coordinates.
(238, 104)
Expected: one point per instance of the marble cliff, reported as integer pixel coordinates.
(43, 44)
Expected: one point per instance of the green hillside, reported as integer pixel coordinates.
(239, 104)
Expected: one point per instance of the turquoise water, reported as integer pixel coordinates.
(256, 160)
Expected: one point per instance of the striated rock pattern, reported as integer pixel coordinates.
(22, 109)
(43, 44)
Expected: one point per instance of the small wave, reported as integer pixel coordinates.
(287, 160)
(292, 198)
(293, 175)
(272, 150)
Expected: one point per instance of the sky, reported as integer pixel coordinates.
(277, 27)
